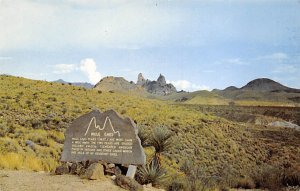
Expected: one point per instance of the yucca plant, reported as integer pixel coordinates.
(143, 135)
(187, 167)
(161, 141)
(151, 173)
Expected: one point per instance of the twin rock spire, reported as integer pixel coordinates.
(159, 87)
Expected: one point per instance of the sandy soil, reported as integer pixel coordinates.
(37, 181)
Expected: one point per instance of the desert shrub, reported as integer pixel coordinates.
(49, 106)
(227, 176)
(275, 177)
(36, 124)
(245, 183)
(57, 136)
(29, 103)
(151, 173)
(8, 145)
(291, 177)
(268, 177)
(19, 161)
(196, 177)
(3, 129)
(186, 167)
(35, 95)
(176, 186)
(38, 136)
(199, 181)
(10, 161)
(54, 99)
(64, 110)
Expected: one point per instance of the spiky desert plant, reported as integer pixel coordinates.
(151, 173)
(161, 141)
(187, 167)
(143, 135)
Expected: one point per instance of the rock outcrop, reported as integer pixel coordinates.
(141, 80)
(161, 80)
(95, 172)
(63, 169)
(128, 183)
(158, 87)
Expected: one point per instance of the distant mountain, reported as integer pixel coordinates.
(80, 84)
(262, 89)
(265, 84)
(148, 87)
(258, 91)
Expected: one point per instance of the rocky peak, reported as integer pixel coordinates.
(161, 80)
(141, 80)
(264, 84)
(159, 87)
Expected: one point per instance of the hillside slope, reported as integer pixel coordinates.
(39, 112)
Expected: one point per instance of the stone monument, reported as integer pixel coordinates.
(103, 136)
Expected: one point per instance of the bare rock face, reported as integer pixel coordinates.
(159, 87)
(63, 169)
(161, 80)
(128, 183)
(141, 80)
(94, 172)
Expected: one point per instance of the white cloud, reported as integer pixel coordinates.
(64, 68)
(88, 66)
(236, 61)
(278, 56)
(187, 86)
(286, 69)
(231, 61)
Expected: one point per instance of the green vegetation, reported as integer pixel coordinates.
(35, 114)
(151, 173)
(160, 140)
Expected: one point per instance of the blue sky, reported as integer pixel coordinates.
(199, 44)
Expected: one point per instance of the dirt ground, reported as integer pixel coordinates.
(37, 181)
